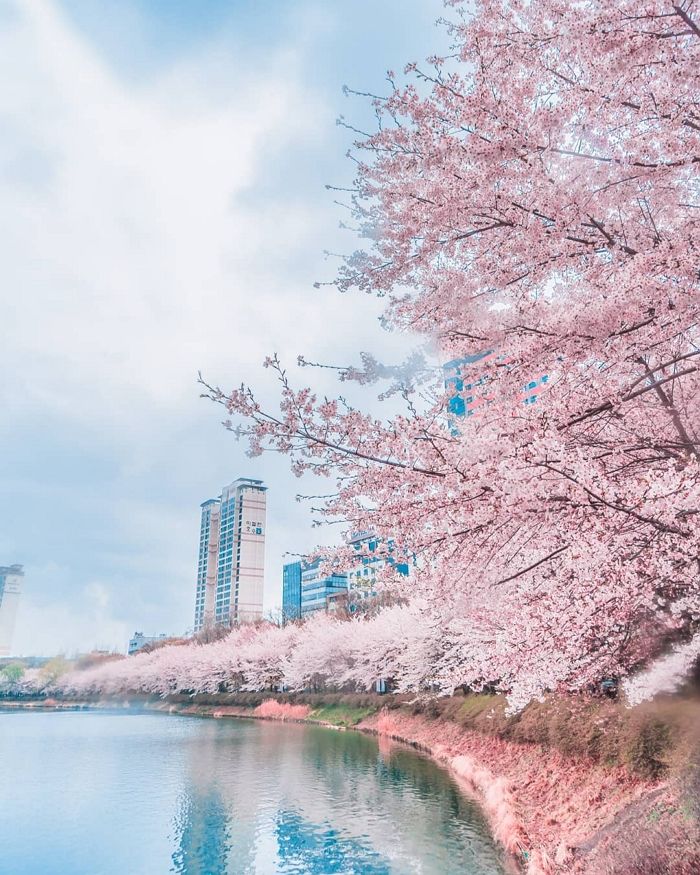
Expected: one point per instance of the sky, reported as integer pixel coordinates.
(163, 211)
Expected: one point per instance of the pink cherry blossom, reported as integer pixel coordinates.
(535, 194)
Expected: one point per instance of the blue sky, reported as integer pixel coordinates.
(163, 210)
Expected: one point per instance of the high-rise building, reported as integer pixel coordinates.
(231, 569)
(291, 591)
(11, 578)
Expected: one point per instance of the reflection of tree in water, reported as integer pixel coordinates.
(202, 834)
(309, 849)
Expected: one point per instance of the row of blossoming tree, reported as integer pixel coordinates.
(536, 196)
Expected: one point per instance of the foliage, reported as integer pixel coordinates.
(645, 753)
(95, 658)
(55, 668)
(274, 710)
(533, 198)
(12, 673)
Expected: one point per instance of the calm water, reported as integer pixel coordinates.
(143, 794)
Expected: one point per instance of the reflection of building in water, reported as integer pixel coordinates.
(317, 849)
(203, 835)
(216, 826)
(267, 798)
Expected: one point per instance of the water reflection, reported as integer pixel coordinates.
(290, 799)
(145, 794)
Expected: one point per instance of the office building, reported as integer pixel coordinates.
(307, 589)
(372, 557)
(11, 578)
(319, 588)
(231, 567)
(291, 591)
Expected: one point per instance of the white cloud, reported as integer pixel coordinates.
(144, 240)
(57, 626)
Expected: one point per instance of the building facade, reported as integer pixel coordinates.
(231, 567)
(11, 580)
(291, 591)
(318, 588)
(307, 589)
(372, 557)
(467, 390)
(138, 641)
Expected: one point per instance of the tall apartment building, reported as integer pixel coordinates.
(11, 578)
(231, 569)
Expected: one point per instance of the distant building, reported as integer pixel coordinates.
(372, 556)
(307, 589)
(291, 591)
(318, 588)
(467, 390)
(230, 573)
(139, 641)
(11, 578)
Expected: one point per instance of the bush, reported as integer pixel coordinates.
(644, 751)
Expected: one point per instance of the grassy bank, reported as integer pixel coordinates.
(652, 741)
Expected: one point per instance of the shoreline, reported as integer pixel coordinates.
(552, 814)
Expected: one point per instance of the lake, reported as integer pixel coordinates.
(134, 793)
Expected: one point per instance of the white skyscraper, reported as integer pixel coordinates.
(11, 578)
(231, 569)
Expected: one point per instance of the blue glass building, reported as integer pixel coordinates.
(291, 591)
(318, 588)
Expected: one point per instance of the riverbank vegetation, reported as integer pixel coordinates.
(529, 208)
(529, 205)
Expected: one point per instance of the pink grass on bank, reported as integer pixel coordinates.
(540, 804)
(273, 710)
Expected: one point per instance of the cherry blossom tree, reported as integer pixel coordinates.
(533, 195)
